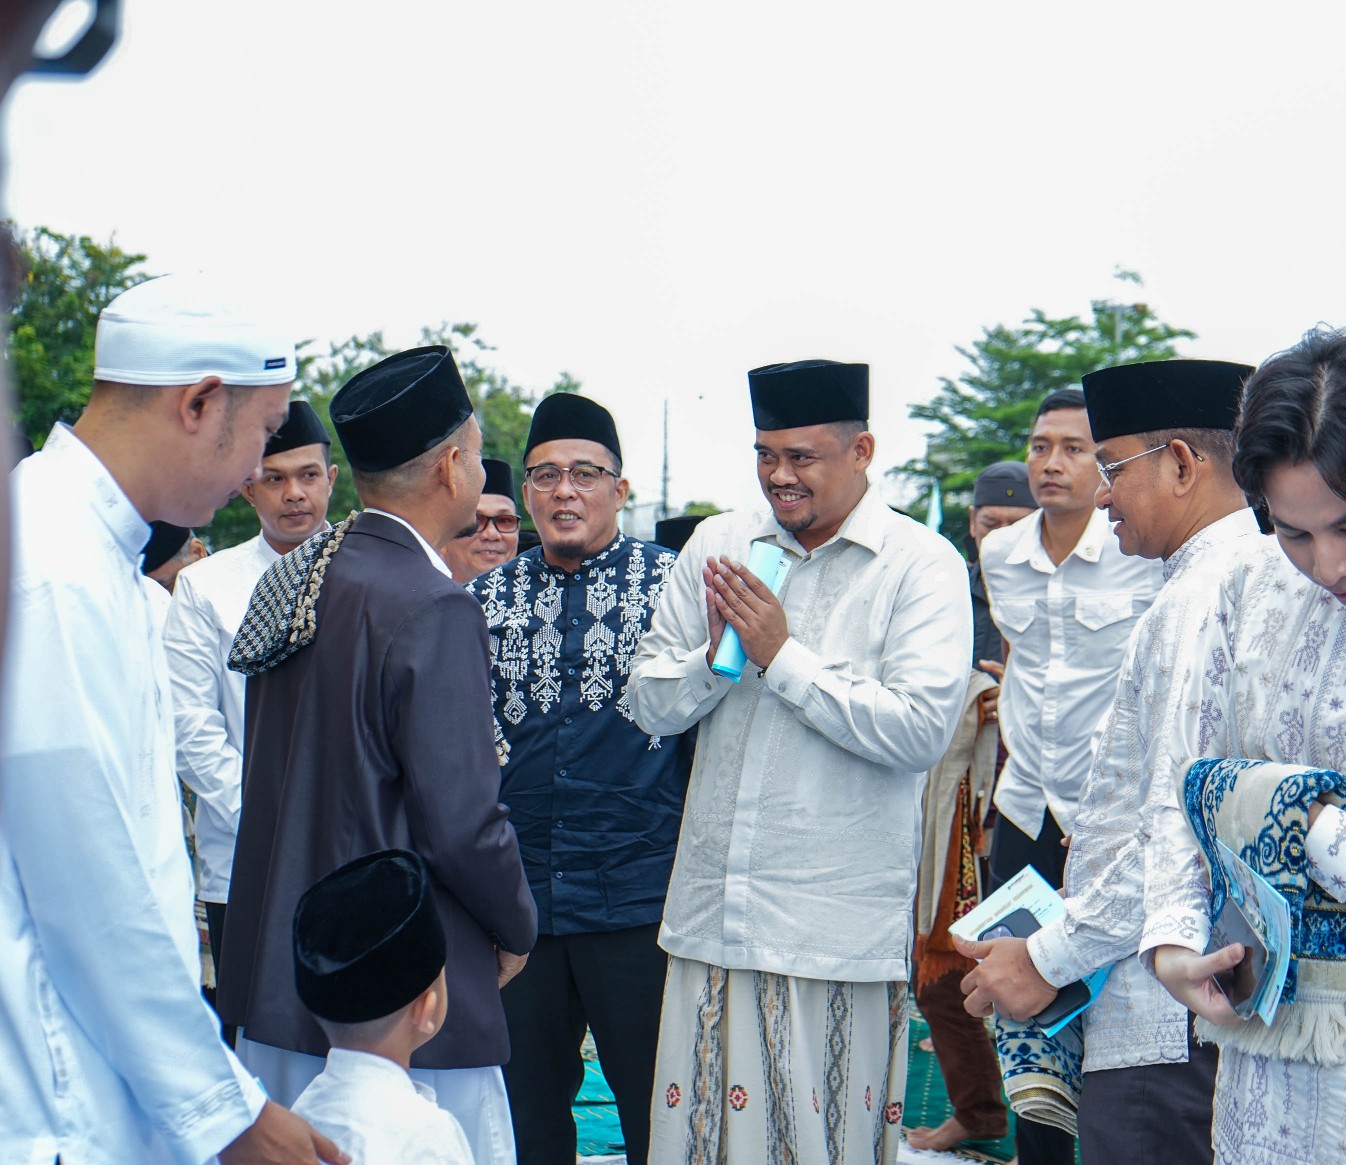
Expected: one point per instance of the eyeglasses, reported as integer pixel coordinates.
(1109, 471)
(505, 523)
(584, 477)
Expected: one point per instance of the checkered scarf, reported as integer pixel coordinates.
(282, 613)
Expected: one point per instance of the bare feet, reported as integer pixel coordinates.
(946, 1136)
(926, 1044)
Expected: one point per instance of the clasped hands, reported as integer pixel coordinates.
(737, 598)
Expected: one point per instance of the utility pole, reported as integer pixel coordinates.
(663, 505)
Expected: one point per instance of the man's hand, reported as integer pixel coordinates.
(993, 668)
(507, 966)
(714, 620)
(278, 1137)
(1006, 980)
(1190, 979)
(746, 603)
(990, 704)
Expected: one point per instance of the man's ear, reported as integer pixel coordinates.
(332, 471)
(863, 449)
(247, 492)
(196, 400)
(423, 1009)
(1187, 460)
(623, 488)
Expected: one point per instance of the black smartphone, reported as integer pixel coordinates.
(1020, 924)
(1240, 982)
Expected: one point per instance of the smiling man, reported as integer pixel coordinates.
(596, 801)
(784, 1033)
(1165, 446)
(1065, 598)
(290, 498)
(495, 539)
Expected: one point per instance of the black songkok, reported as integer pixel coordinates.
(393, 412)
(165, 541)
(674, 532)
(1163, 394)
(1003, 484)
(367, 938)
(567, 416)
(499, 478)
(808, 392)
(302, 427)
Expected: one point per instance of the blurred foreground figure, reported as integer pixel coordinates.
(108, 1052)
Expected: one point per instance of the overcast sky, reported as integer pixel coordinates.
(656, 197)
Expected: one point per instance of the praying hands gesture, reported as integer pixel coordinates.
(738, 598)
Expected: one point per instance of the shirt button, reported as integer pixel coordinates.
(574, 622)
(569, 720)
(560, 825)
(563, 772)
(570, 671)
(559, 874)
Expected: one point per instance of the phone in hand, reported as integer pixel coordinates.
(1020, 924)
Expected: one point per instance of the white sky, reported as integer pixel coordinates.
(658, 196)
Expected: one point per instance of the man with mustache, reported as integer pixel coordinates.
(596, 800)
(784, 1033)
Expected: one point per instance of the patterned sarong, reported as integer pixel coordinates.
(778, 1070)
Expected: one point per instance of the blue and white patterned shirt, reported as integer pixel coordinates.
(596, 801)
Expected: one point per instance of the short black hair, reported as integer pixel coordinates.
(1294, 410)
(1062, 398)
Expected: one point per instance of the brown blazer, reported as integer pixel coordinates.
(377, 735)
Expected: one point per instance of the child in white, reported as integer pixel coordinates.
(364, 938)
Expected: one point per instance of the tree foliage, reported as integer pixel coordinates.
(68, 280)
(985, 413)
(65, 283)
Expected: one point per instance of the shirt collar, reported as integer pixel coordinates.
(1231, 526)
(1028, 545)
(346, 1064)
(438, 563)
(613, 550)
(81, 464)
(866, 525)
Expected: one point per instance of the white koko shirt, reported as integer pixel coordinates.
(108, 1053)
(801, 831)
(209, 602)
(372, 1109)
(1135, 1021)
(1067, 627)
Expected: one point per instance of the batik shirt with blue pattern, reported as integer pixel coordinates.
(597, 802)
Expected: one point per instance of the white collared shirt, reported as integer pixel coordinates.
(209, 602)
(800, 834)
(1067, 627)
(108, 1053)
(1135, 1021)
(435, 560)
(373, 1110)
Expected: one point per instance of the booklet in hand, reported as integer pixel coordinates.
(1256, 915)
(1021, 906)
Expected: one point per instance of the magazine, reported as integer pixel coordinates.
(1256, 915)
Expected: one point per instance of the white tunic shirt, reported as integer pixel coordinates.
(374, 1110)
(1268, 682)
(209, 602)
(1067, 627)
(108, 1053)
(1135, 1021)
(799, 838)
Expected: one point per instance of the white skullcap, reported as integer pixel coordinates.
(179, 329)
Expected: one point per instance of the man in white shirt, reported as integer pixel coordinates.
(108, 1053)
(783, 1033)
(1065, 598)
(291, 499)
(1165, 444)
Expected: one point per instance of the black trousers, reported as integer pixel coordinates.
(215, 925)
(1011, 850)
(1156, 1114)
(612, 982)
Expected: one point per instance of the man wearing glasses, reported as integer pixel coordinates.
(495, 538)
(596, 801)
(1065, 598)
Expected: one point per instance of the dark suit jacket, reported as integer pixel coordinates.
(377, 735)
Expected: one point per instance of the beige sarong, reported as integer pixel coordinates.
(777, 1070)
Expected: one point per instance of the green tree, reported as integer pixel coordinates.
(985, 413)
(701, 510)
(503, 408)
(65, 283)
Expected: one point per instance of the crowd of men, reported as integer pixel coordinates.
(455, 805)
